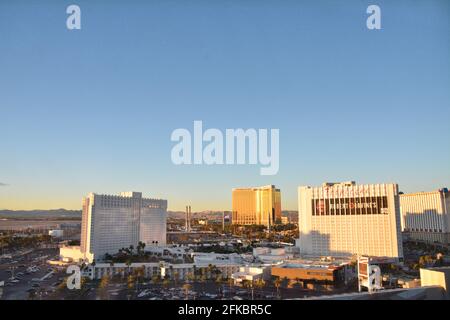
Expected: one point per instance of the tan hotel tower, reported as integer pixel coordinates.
(257, 205)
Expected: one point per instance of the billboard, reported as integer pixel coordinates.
(350, 206)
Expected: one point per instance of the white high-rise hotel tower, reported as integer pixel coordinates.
(345, 219)
(110, 223)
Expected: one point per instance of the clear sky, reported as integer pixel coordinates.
(92, 110)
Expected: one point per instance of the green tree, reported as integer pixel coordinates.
(166, 282)
(156, 279)
(187, 287)
(131, 282)
(103, 287)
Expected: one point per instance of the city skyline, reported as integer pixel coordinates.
(92, 110)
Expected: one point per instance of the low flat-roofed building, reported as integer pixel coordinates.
(201, 258)
(436, 277)
(272, 255)
(179, 271)
(312, 271)
(73, 254)
(251, 273)
(99, 270)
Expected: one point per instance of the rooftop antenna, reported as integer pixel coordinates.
(223, 221)
(186, 219)
(189, 219)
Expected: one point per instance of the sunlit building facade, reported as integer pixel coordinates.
(258, 205)
(345, 219)
(425, 215)
(111, 222)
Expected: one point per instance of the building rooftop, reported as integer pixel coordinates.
(313, 264)
(443, 190)
(269, 186)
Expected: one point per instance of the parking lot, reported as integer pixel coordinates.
(26, 275)
(208, 290)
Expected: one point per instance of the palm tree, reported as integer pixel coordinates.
(130, 285)
(140, 248)
(277, 284)
(285, 282)
(156, 279)
(166, 282)
(121, 271)
(171, 270)
(139, 273)
(176, 274)
(103, 285)
(128, 264)
(202, 279)
(246, 284)
(260, 283)
(195, 272)
(230, 283)
(210, 269)
(190, 277)
(83, 281)
(219, 280)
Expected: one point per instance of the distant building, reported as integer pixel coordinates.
(57, 233)
(345, 219)
(226, 217)
(285, 220)
(258, 205)
(425, 215)
(110, 223)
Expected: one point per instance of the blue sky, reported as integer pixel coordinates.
(93, 109)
